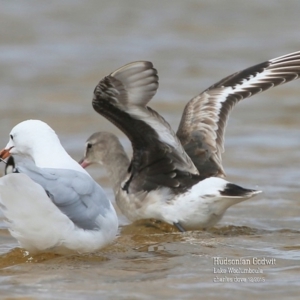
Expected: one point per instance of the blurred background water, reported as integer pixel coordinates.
(52, 55)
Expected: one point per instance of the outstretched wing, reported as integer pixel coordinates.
(158, 157)
(136, 83)
(74, 193)
(201, 130)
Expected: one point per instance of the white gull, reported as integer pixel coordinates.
(51, 203)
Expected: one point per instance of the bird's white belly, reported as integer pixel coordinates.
(200, 207)
(191, 213)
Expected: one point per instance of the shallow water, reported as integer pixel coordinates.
(51, 57)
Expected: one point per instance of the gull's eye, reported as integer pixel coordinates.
(11, 136)
(89, 146)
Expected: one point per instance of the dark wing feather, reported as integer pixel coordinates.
(202, 127)
(158, 157)
(136, 83)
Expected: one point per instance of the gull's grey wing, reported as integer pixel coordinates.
(202, 127)
(158, 157)
(76, 194)
(122, 96)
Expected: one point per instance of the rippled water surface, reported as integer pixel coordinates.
(52, 54)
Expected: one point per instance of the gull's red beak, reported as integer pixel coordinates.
(4, 153)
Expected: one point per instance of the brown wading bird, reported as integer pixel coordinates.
(176, 178)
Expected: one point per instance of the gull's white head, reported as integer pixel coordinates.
(28, 137)
(36, 140)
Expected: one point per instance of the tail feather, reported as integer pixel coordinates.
(236, 191)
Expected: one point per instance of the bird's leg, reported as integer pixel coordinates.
(179, 227)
